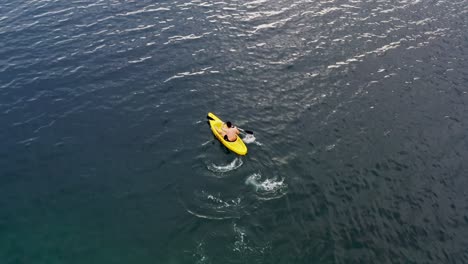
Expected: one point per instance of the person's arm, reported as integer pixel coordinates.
(237, 131)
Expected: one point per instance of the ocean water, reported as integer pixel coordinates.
(359, 112)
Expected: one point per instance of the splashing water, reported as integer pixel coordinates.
(221, 203)
(246, 247)
(236, 163)
(249, 138)
(267, 189)
(240, 244)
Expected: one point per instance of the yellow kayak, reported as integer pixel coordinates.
(237, 146)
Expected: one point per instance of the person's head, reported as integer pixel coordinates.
(228, 124)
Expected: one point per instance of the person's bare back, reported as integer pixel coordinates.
(229, 131)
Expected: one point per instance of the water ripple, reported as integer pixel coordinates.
(174, 39)
(140, 59)
(213, 206)
(184, 74)
(147, 9)
(235, 164)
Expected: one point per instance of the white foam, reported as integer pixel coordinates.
(236, 163)
(219, 203)
(240, 244)
(244, 245)
(269, 188)
(249, 138)
(330, 147)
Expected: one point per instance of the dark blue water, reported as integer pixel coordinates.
(359, 112)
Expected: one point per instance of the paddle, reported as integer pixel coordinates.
(240, 129)
(245, 131)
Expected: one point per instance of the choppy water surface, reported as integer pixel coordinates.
(358, 108)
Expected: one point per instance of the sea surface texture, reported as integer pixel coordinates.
(359, 111)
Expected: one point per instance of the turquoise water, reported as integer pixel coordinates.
(358, 111)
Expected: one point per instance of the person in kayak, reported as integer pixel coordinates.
(229, 132)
